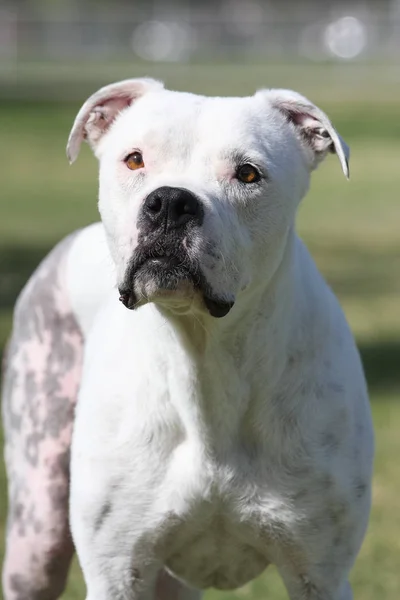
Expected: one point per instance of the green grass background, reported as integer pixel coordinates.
(352, 229)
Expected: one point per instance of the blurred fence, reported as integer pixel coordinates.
(41, 35)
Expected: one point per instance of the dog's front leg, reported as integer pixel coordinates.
(165, 588)
(115, 536)
(117, 561)
(117, 578)
(128, 577)
(311, 586)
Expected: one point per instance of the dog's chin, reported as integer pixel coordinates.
(171, 286)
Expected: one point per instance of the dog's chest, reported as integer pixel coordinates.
(219, 528)
(210, 552)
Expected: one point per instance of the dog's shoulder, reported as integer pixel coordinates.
(90, 273)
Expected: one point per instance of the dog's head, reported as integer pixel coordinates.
(198, 194)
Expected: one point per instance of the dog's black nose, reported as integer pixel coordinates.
(172, 208)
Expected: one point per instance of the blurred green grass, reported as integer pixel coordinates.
(352, 229)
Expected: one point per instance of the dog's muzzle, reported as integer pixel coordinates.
(163, 261)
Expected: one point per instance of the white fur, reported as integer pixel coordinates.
(216, 446)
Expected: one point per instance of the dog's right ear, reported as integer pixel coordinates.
(101, 109)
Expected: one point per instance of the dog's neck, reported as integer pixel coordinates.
(265, 305)
(217, 383)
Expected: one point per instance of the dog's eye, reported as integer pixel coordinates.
(248, 174)
(134, 161)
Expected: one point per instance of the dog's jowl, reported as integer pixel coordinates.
(222, 419)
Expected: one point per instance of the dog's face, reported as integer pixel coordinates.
(198, 194)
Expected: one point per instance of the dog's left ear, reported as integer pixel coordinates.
(102, 108)
(312, 126)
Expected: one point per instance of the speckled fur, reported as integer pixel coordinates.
(41, 377)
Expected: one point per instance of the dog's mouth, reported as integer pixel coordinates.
(168, 278)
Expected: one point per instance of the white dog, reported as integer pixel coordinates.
(223, 422)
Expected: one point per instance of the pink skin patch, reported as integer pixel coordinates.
(225, 171)
(41, 379)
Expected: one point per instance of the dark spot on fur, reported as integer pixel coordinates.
(327, 482)
(360, 489)
(32, 447)
(301, 494)
(337, 388)
(58, 493)
(310, 591)
(18, 511)
(105, 511)
(59, 467)
(304, 389)
(23, 517)
(60, 416)
(288, 424)
(301, 471)
(37, 527)
(330, 442)
(360, 430)
(31, 390)
(338, 513)
(337, 540)
(53, 574)
(20, 586)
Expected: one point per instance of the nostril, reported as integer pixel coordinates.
(189, 208)
(154, 203)
(184, 207)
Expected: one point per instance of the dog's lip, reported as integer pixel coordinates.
(127, 298)
(166, 261)
(217, 307)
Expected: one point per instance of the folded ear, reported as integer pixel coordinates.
(312, 126)
(100, 110)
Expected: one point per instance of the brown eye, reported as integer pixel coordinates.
(134, 161)
(248, 174)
